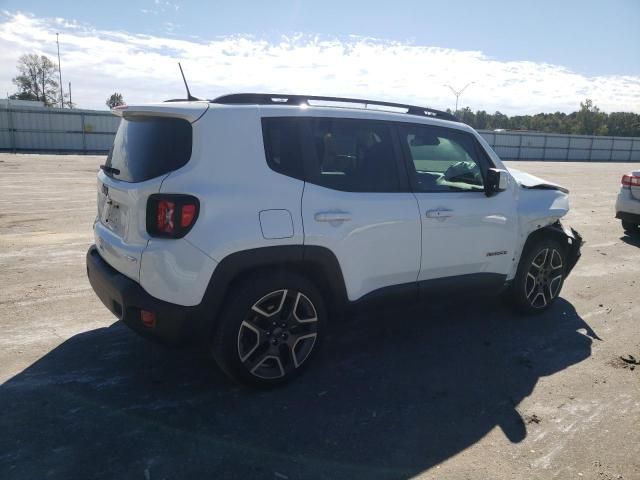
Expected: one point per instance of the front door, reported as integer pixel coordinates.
(464, 232)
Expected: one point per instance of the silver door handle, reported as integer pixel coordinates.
(332, 217)
(439, 213)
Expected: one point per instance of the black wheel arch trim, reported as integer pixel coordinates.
(568, 237)
(319, 263)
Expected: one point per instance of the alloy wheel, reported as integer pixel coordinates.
(544, 278)
(278, 334)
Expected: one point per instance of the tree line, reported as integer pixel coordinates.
(36, 80)
(588, 120)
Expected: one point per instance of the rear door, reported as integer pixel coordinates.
(357, 203)
(145, 150)
(464, 232)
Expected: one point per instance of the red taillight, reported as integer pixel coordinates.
(630, 180)
(187, 214)
(165, 215)
(148, 318)
(171, 215)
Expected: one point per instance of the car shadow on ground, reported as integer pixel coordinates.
(393, 393)
(633, 240)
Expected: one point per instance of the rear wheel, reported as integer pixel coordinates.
(630, 228)
(540, 276)
(269, 329)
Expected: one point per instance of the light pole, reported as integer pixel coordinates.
(457, 93)
(60, 73)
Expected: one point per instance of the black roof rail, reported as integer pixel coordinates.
(285, 99)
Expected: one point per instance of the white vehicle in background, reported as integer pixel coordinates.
(249, 221)
(628, 202)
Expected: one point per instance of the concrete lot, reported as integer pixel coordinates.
(463, 390)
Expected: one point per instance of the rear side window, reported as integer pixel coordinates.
(282, 145)
(147, 147)
(353, 155)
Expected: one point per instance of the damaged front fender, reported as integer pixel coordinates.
(538, 208)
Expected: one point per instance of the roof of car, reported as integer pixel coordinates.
(341, 102)
(271, 104)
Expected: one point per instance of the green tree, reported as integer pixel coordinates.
(36, 79)
(624, 124)
(500, 120)
(482, 120)
(115, 100)
(467, 116)
(589, 120)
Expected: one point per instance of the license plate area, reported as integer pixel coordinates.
(112, 216)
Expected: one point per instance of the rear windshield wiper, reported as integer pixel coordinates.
(108, 169)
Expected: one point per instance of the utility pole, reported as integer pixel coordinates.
(70, 102)
(60, 73)
(457, 93)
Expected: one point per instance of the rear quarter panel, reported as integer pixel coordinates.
(230, 176)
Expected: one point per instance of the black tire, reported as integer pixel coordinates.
(630, 228)
(269, 329)
(540, 277)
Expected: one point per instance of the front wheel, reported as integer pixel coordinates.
(540, 276)
(269, 329)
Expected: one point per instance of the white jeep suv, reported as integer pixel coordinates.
(249, 221)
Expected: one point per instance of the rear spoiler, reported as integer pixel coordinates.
(190, 111)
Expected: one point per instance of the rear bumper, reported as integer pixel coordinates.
(175, 324)
(627, 203)
(629, 217)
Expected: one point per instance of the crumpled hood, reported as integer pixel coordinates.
(526, 180)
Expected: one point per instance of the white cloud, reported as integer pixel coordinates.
(143, 68)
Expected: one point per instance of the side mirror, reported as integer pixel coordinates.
(497, 181)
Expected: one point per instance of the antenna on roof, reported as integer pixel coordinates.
(189, 96)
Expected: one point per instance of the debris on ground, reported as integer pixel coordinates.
(532, 419)
(625, 361)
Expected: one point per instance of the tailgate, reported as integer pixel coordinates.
(120, 229)
(148, 146)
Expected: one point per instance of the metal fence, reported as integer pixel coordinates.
(88, 131)
(56, 130)
(568, 148)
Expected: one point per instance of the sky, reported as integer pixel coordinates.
(516, 57)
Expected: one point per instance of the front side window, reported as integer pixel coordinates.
(443, 159)
(353, 155)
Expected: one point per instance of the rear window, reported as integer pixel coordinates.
(147, 147)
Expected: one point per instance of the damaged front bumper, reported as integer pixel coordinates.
(574, 243)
